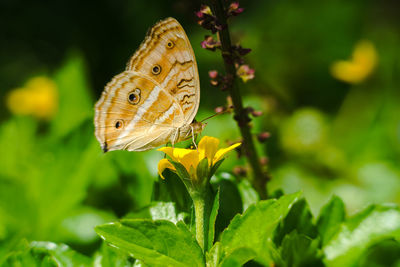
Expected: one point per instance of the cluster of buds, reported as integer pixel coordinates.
(234, 9)
(235, 66)
(210, 44)
(207, 20)
(253, 112)
(218, 80)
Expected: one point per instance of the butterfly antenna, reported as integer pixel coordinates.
(216, 114)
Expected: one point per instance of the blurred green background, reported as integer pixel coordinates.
(331, 133)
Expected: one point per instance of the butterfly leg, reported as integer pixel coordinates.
(175, 137)
(194, 142)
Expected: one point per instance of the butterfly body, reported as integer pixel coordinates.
(155, 100)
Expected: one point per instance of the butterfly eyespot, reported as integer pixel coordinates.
(134, 96)
(156, 69)
(118, 124)
(170, 44)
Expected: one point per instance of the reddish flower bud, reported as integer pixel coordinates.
(263, 161)
(245, 73)
(219, 109)
(240, 171)
(204, 9)
(234, 9)
(262, 137)
(210, 44)
(256, 113)
(207, 20)
(213, 74)
(214, 82)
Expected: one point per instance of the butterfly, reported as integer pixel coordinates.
(154, 101)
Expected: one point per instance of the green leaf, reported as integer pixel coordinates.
(181, 170)
(172, 189)
(330, 218)
(157, 243)
(47, 254)
(230, 203)
(158, 211)
(60, 253)
(247, 193)
(212, 219)
(382, 254)
(300, 250)
(254, 229)
(202, 170)
(75, 103)
(300, 219)
(110, 256)
(376, 223)
(213, 255)
(215, 167)
(238, 257)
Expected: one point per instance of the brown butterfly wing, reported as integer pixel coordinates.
(135, 113)
(167, 57)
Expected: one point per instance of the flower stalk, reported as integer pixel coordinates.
(195, 167)
(199, 203)
(260, 178)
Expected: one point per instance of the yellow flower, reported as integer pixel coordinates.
(190, 158)
(360, 67)
(38, 98)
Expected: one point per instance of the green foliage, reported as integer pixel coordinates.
(212, 219)
(299, 250)
(252, 231)
(332, 215)
(46, 254)
(158, 243)
(337, 142)
(374, 224)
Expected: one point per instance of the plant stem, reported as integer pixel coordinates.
(199, 210)
(260, 178)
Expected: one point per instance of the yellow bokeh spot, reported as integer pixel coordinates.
(39, 98)
(361, 65)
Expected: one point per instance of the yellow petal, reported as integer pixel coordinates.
(220, 153)
(208, 146)
(169, 151)
(189, 158)
(164, 164)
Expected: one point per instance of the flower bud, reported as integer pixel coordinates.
(262, 137)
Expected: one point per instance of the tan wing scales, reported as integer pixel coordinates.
(119, 120)
(167, 57)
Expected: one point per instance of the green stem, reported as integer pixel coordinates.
(199, 210)
(260, 178)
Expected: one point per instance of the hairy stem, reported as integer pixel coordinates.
(260, 178)
(200, 221)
